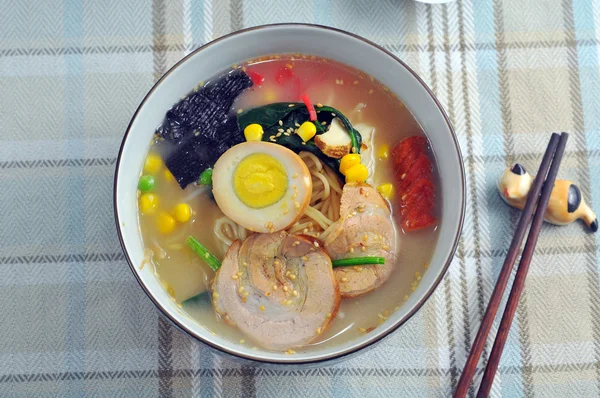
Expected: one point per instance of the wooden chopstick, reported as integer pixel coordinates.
(513, 251)
(523, 267)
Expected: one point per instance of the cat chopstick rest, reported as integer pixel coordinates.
(566, 202)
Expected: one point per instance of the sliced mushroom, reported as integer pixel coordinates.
(365, 229)
(278, 289)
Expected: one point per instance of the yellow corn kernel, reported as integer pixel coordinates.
(306, 131)
(153, 164)
(165, 223)
(348, 161)
(383, 151)
(182, 212)
(148, 203)
(253, 132)
(168, 176)
(358, 172)
(386, 190)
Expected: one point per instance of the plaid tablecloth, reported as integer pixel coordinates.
(73, 320)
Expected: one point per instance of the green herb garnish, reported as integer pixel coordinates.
(346, 262)
(203, 253)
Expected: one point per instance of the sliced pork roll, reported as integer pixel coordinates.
(279, 289)
(365, 229)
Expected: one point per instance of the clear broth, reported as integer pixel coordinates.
(184, 274)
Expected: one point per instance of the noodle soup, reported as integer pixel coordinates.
(243, 214)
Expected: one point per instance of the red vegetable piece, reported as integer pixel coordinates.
(256, 78)
(407, 153)
(283, 75)
(418, 219)
(408, 145)
(311, 108)
(421, 193)
(421, 167)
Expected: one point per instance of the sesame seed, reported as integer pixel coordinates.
(323, 123)
(285, 288)
(280, 130)
(234, 276)
(362, 330)
(305, 230)
(304, 258)
(215, 295)
(365, 237)
(243, 299)
(344, 279)
(357, 268)
(292, 276)
(290, 302)
(402, 176)
(290, 105)
(361, 210)
(280, 123)
(242, 341)
(286, 211)
(386, 313)
(274, 287)
(384, 247)
(290, 351)
(333, 114)
(354, 149)
(328, 315)
(245, 263)
(295, 293)
(206, 255)
(370, 91)
(296, 205)
(364, 248)
(351, 250)
(267, 294)
(356, 82)
(318, 330)
(241, 289)
(246, 294)
(240, 273)
(380, 316)
(319, 105)
(303, 143)
(297, 124)
(295, 175)
(240, 111)
(316, 243)
(276, 262)
(262, 307)
(287, 134)
(353, 213)
(406, 297)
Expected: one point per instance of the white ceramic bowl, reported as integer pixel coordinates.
(290, 38)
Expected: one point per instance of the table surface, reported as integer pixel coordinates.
(74, 320)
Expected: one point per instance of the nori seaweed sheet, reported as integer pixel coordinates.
(201, 127)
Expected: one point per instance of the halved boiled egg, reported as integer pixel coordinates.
(262, 186)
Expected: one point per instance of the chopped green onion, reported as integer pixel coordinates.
(346, 262)
(203, 252)
(206, 177)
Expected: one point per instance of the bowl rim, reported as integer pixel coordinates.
(355, 348)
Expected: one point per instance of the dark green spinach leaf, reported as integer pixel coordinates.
(291, 116)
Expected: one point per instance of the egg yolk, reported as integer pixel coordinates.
(260, 180)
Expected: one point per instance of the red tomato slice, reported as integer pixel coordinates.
(421, 193)
(407, 150)
(418, 219)
(421, 167)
